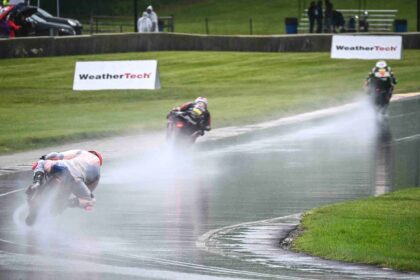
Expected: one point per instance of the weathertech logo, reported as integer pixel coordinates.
(128, 76)
(363, 48)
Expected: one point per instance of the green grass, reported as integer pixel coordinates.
(382, 231)
(38, 107)
(232, 16)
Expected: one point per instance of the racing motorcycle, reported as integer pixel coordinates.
(183, 128)
(379, 89)
(45, 197)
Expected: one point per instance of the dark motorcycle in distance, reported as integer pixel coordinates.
(380, 90)
(46, 198)
(183, 128)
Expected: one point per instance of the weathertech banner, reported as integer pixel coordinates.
(132, 74)
(366, 47)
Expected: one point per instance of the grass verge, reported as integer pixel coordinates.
(38, 106)
(382, 231)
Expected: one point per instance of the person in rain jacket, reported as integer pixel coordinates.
(77, 170)
(153, 17)
(144, 24)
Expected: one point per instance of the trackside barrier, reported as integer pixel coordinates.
(142, 42)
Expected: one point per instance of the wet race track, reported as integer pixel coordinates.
(165, 215)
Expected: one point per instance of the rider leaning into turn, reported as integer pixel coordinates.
(198, 109)
(78, 170)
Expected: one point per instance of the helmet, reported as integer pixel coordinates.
(98, 154)
(201, 99)
(381, 64)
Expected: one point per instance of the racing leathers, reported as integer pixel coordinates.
(78, 171)
(199, 111)
(384, 78)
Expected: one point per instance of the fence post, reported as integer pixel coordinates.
(250, 26)
(207, 26)
(91, 24)
(418, 15)
(135, 15)
(173, 23)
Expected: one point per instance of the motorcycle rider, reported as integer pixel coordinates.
(197, 109)
(381, 78)
(76, 170)
(383, 72)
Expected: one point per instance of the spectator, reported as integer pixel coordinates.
(363, 23)
(144, 24)
(153, 17)
(311, 16)
(338, 22)
(4, 29)
(13, 27)
(318, 16)
(328, 16)
(351, 26)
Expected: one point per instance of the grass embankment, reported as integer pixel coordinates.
(383, 231)
(233, 17)
(38, 107)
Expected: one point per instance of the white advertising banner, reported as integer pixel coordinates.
(132, 74)
(366, 47)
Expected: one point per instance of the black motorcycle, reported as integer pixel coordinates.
(380, 92)
(183, 128)
(45, 197)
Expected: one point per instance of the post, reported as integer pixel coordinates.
(299, 8)
(418, 15)
(135, 15)
(91, 23)
(207, 26)
(58, 8)
(250, 26)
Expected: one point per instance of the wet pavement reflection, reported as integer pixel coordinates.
(153, 208)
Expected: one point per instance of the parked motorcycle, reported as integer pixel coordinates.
(183, 128)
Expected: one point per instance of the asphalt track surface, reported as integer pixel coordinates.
(161, 215)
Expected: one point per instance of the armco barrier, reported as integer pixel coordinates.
(135, 42)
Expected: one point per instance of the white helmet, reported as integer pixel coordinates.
(201, 99)
(381, 64)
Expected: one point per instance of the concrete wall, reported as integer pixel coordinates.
(134, 42)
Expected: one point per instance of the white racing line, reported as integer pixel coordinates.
(15, 191)
(202, 243)
(46, 263)
(258, 242)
